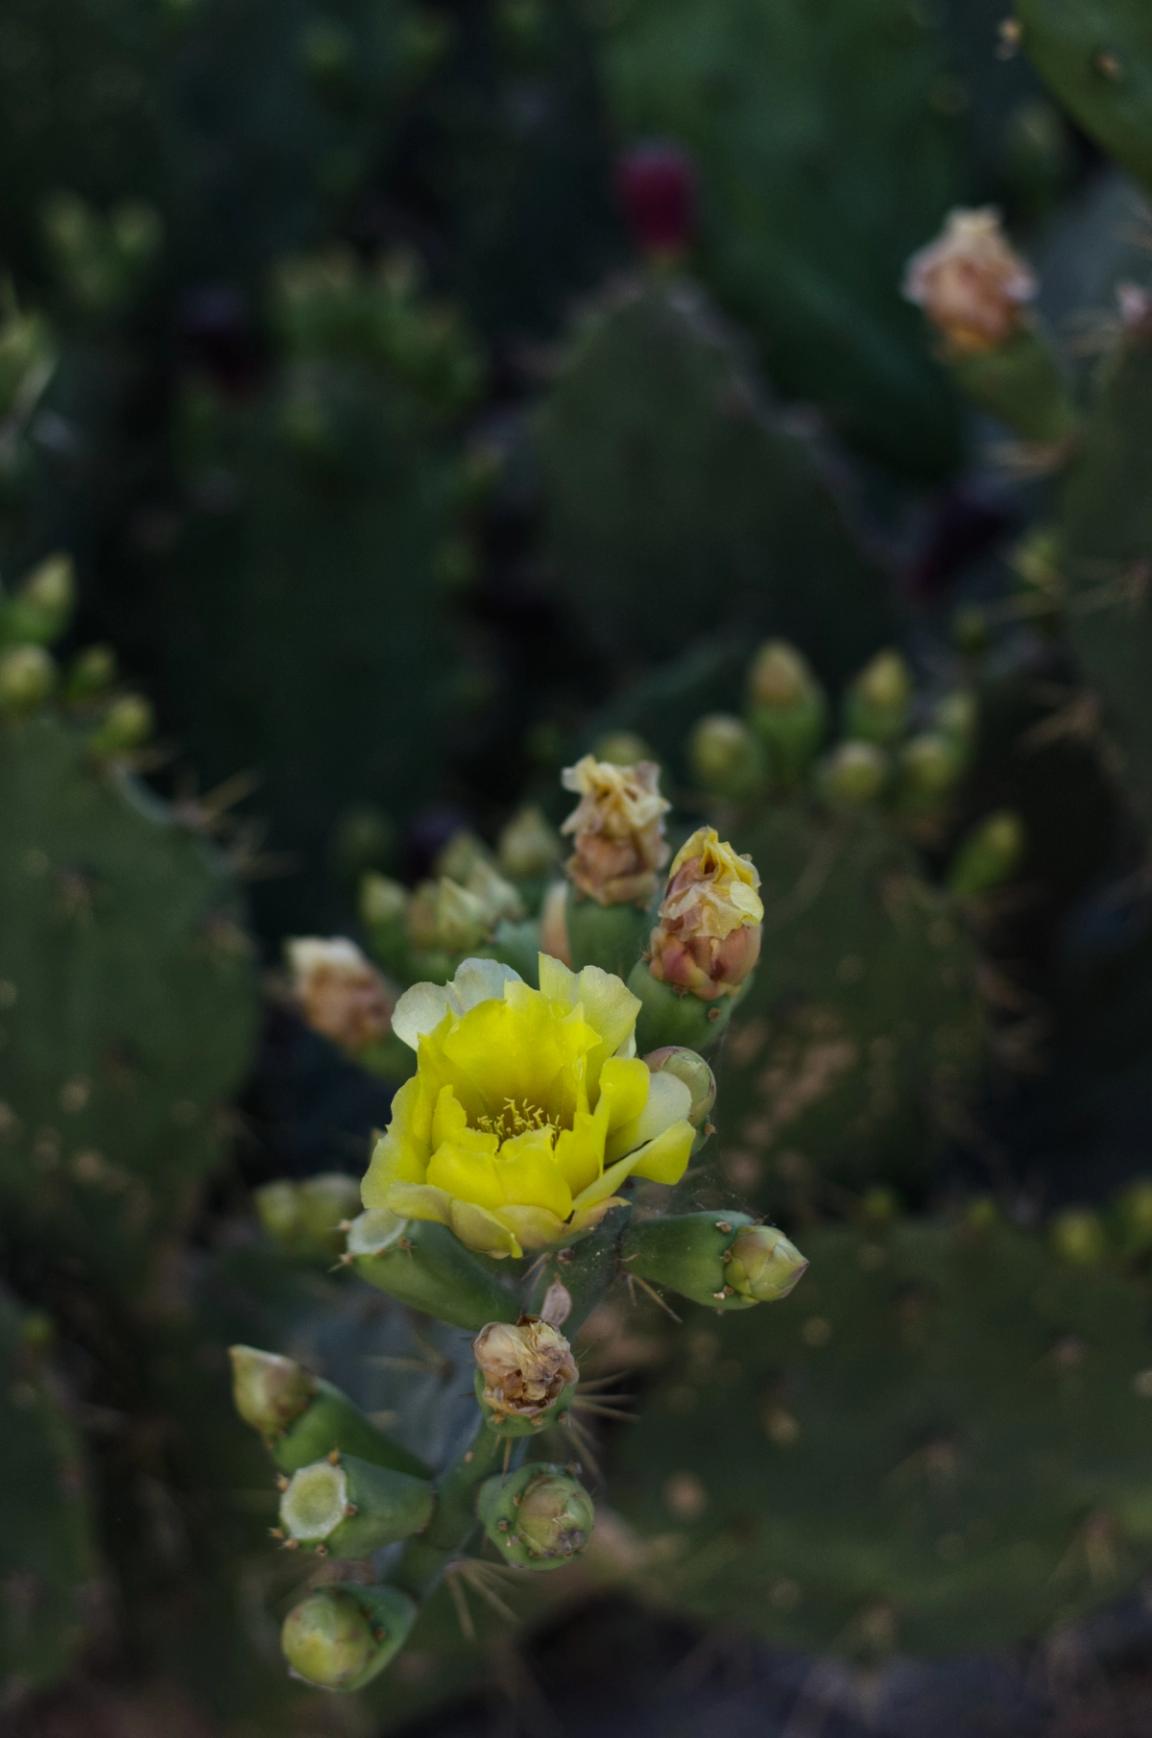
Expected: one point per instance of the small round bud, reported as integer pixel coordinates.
(988, 856)
(92, 674)
(383, 902)
(725, 756)
(854, 775)
(305, 1217)
(780, 677)
(538, 1517)
(525, 1375)
(125, 727)
(457, 858)
(528, 845)
(878, 701)
(621, 748)
(269, 1392)
(1078, 1238)
(43, 606)
(762, 1265)
(685, 1065)
(443, 916)
(339, 1638)
(27, 679)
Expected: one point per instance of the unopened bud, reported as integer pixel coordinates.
(972, 286)
(43, 606)
(707, 938)
(725, 757)
(269, 1392)
(528, 846)
(617, 829)
(725, 1261)
(340, 1638)
(878, 701)
(126, 726)
(955, 718)
(500, 902)
(854, 775)
(305, 1217)
(339, 992)
(383, 902)
(27, 679)
(929, 771)
(788, 709)
(1078, 1238)
(690, 1068)
(92, 673)
(525, 1375)
(538, 1517)
(656, 184)
(463, 851)
(302, 1418)
(444, 917)
(990, 855)
(622, 748)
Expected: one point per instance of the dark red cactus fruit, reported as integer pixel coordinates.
(657, 187)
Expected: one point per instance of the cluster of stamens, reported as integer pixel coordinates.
(516, 1118)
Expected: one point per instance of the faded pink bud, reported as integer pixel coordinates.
(971, 284)
(525, 1369)
(339, 992)
(711, 921)
(656, 184)
(617, 830)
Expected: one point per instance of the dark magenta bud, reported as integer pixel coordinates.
(657, 187)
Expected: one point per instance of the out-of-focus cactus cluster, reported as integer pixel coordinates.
(574, 682)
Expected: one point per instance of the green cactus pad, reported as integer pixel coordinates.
(991, 1403)
(1096, 55)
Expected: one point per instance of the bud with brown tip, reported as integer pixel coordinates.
(526, 1375)
(538, 1517)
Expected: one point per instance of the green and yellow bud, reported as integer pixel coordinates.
(499, 901)
(538, 1517)
(691, 1068)
(622, 748)
(707, 938)
(854, 775)
(383, 902)
(725, 757)
(126, 727)
(725, 1261)
(27, 680)
(990, 855)
(528, 846)
(340, 1638)
(878, 702)
(1079, 1238)
(929, 770)
(788, 709)
(617, 831)
(444, 917)
(43, 606)
(526, 1375)
(302, 1418)
(457, 859)
(339, 992)
(429, 1269)
(92, 673)
(345, 1507)
(306, 1217)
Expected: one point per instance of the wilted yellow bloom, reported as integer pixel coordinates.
(708, 938)
(971, 284)
(339, 991)
(529, 1109)
(617, 830)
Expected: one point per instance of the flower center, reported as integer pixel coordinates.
(516, 1117)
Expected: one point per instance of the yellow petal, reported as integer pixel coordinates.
(625, 1088)
(482, 1231)
(663, 1160)
(449, 1118)
(530, 1176)
(418, 1201)
(421, 1009)
(580, 1149)
(608, 1003)
(534, 1227)
(466, 1167)
(669, 1101)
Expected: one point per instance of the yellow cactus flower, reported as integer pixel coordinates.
(528, 1110)
(617, 829)
(708, 938)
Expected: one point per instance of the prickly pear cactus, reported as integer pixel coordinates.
(707, 505)
(861, 1039)
(995, 1402)
(1097, 59)
(790, 145)
(127, 996)
(49, 1587)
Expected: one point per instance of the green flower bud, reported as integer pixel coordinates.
(429, 1269)
(528, 846)
(526, 1375)
(302, 1418)
(43, 606)
(1078, 1238)
(878, 701)
(725, 1261)
(788, 709)
(125, 727)
(854, 775)
(929, 771)
(340, 1638)
(27, 678)
(725, 757)
(460, 856)
(349, 1508)
(383, 902)
(538, 1517)
(92, 673)
(988, 856)
(305, 1218)
(697, 1076)
(622, 748)
(500, 902)
(955, 718)
(443, 916)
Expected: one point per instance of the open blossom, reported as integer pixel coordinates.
(971, 284)
(529, 1109)
(707, 940)
(617, 830)
(339, 991)
(525, 1369)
